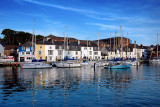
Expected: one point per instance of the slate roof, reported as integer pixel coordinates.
(9, 47)
(3, 43)
(28, 44)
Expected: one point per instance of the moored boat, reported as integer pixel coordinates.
(68, 64)
(118, 66)
(35, 65)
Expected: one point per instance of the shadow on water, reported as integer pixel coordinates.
(11, 82)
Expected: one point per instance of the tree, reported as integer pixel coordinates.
(16, 37)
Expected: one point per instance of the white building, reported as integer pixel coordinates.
(51, 53)
(25, 53)
(1, 50)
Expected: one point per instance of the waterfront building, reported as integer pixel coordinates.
(74, 51)
(50, 53)
(40, 52)
(116, 41)
(59, 50)
(154, 52)
(25, 52)
(56, 38)
(90, 50)
(11, 50)
(1, 50)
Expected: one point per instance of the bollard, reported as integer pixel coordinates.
(94, 66)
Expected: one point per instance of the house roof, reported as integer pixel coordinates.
(27, 44)
(9, 47)
(3, 43)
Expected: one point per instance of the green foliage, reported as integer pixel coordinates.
(17, 37)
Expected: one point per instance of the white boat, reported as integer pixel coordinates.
(68, 64)
(155, 61)
(35, 65)
(84, 64)
(97, 64)
(133, 63)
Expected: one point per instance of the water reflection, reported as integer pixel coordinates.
(40, 84)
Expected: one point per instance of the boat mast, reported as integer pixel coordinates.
(67, 41)
(64, 40)
(87, 48)
(110, 42)
(157, 45)
(98, 41)
(116, 40)
(121, 42)
(127, 44)
(114, 43)
(33, 38)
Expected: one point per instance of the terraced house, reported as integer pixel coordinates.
(26, 53)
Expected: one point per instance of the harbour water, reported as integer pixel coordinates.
(80, 87)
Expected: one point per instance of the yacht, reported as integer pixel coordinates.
(35, 65)
(68, 64)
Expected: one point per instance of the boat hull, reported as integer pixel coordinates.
(35, 66)
(66, 65)
(120, 66)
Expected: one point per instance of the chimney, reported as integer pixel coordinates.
(89, 43)
(79, 42)
(52, 40)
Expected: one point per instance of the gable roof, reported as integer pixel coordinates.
(9, 47)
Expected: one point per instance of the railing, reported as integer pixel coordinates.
(6, 60)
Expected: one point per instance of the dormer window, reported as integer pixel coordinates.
(23, 47)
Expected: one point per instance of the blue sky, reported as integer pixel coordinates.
(85, 18)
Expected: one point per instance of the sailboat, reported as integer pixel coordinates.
(132, 61)
(34, 65)
(119, 64)
(156, 60)
(68, 63)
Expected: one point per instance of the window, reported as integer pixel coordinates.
(27, 48)
(22, 53)
(76, 52)
(50, 47)
(59, 52)
(40, 57)
(85, 48)
(90, 48)
(28, 58)
(40, 47)
(57, 47)
(50, 58)
(23, 48)
(95, 57)
(90, 52)
(60, 47)
(50, 52)
(68, 52)
(27, 52)
(40, 52)
(95, 53)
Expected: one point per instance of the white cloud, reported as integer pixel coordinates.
(60, 7)
(103, 26)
